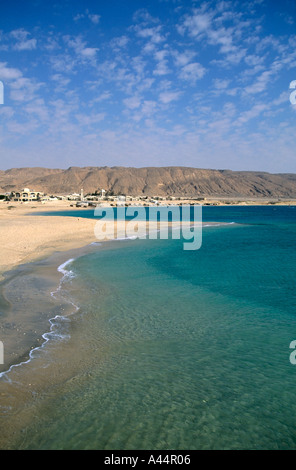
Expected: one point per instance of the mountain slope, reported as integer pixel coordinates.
(151, 181)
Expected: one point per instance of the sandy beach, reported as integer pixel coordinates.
(33, 246)
(25, 238)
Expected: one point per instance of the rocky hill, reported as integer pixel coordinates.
(151, 181)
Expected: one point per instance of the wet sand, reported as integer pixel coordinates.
(34, 314)
(33, 247)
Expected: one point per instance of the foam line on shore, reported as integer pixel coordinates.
(54, 322)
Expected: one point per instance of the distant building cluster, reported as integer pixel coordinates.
(28, 195)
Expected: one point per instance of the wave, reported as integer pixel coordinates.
(219, 224)
(55, 331)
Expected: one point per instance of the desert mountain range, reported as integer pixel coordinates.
(151, 181)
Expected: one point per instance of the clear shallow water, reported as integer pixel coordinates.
(176, 349)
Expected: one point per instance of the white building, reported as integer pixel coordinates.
(27, 195)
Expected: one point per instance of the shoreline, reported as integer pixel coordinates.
(45, 242)
(27, 379)
(34, 288)
(26, 385)
(42, 258)
(26, 238)
(41, 244)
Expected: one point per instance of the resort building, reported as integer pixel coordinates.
(27, 195)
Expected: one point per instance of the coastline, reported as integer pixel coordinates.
(32, 243)
(36, 337)
(34, 383)
(34, 317)
(35, 250)
(25, 238)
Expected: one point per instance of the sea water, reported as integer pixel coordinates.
(175, 349)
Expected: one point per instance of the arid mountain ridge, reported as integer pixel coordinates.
(151, 181)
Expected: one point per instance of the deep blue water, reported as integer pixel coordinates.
(183, 349)
(241, 214)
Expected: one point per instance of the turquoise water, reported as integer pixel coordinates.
(181, 349)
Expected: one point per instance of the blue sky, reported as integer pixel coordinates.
(148, 83)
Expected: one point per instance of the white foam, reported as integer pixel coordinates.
(66, 274)
(51, 334)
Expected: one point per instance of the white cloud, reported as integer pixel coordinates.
(152, 33)
(221, 84)
(149, 107)
(254, 60)
(169, 96)
(103, 96)
(261, 82)
(119, 42)
(255, 111)
(161, 69)
(192, 72)
(132, 103)
(88, 51)
(22, 128)
(195, 25)
(37, 107)
(62, 63)
(183, 58)
(24, 89)
(80, 48)
(89, 119)
(51, 44)
(23, 43)
(9, 73)
(79, 16)
(94, 18)
(162, 65)
(60, 79)
(26, 45)
(91, 16)
(142, 15)
(207, 27)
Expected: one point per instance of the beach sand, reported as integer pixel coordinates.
(25, 238)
